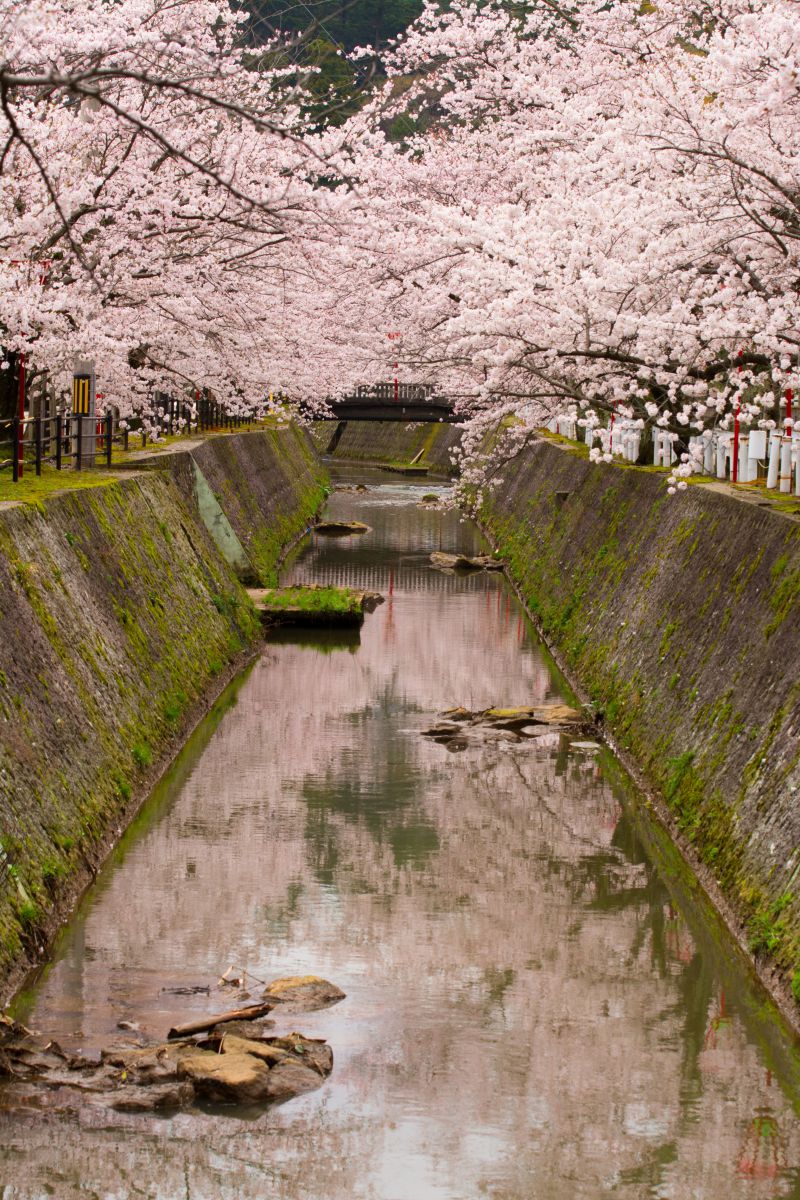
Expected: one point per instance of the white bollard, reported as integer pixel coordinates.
(748, 466)
(722, 457)
(709, 455)
(796, 451)
(775, 440)
(756, 452)
(785, 473)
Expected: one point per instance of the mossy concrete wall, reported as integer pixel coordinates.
(680, 616)
(119, 620)
(255, 492)
(392, 443)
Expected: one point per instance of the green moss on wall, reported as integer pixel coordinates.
(117, 615)
(639, 594)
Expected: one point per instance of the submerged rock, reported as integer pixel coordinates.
(341, 528)
(289, 1079)
(371, 600)
(165, 1096)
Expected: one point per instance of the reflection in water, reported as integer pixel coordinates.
(529, 1013)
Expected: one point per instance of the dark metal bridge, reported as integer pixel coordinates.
(393, 402)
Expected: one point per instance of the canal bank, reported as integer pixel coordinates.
(678, 617)
(122, 617)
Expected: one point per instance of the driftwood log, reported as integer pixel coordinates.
(251, 1013)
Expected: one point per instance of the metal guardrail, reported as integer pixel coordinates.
(395, 393)
(79, 441)
(62, 440)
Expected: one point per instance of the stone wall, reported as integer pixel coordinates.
(679, 617)
(119, 619)
(392, 443)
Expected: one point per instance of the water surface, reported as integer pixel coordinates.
(537, 1004)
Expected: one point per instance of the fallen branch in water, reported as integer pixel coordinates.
(251, 1013)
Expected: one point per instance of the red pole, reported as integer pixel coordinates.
(396, 386)
(20, 451)
(788, 420)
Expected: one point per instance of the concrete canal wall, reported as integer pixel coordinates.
(121, 616)
(680, 618)
(390, 443)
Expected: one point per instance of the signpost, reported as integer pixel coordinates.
(84, 398)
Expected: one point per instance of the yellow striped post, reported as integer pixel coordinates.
(81, 394)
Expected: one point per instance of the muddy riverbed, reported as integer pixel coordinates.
(538, 1002)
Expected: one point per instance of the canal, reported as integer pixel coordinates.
(539, 1002)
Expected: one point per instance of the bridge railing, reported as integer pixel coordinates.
(403, 393)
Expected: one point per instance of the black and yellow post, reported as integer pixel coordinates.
(84, 440)
(82, 395)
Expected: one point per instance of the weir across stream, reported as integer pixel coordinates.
(539, 1003)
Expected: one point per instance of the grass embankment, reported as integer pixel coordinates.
(34, 489)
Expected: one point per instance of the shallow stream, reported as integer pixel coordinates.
(539, 1006)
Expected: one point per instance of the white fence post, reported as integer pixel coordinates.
(785, 473)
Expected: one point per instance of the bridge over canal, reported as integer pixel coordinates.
(394, 401)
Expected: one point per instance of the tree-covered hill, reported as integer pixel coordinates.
(357, 23)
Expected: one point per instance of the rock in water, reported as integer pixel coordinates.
(465, 562)
(152, 1099)
(546, 714)
(235, 1078)
(262, 1050)
(464, 727)
(290, 1079)
(302, 993)
(341, 528)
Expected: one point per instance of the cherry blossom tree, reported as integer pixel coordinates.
(157, 193)
(602, 218)
(594, 213)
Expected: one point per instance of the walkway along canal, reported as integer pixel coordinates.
(539, 1003)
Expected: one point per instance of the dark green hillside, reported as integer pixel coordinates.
(359, 23)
